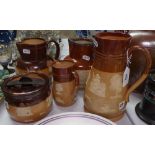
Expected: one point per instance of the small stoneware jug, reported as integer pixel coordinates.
(65, 82)
(109, 83)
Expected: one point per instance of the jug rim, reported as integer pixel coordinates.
(22, 41)
(115, 36)
(73, 40)
(63, 70)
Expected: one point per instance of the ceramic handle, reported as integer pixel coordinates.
(144, 68)
(57, 48)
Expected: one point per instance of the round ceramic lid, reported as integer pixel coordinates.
(75, 118)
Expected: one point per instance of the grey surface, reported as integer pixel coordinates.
(133, 101)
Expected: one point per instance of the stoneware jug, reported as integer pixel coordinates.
(33, 56)
(109, 82)
(35, 49)
(81, 53)
(65, 82)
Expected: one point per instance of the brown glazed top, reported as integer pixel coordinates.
(32, 49)
(32, 66)
(26, 90)
(111, 52)
(81, 52)
(112, 43)
(79, 47)
(108, 63)
(62, 70)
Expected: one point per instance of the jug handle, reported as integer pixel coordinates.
(144, 75)
(57, 48)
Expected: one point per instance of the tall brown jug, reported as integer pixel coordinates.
(109, 83)
(81, 53)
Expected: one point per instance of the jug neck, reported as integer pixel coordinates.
(110, 63)
(110, 43)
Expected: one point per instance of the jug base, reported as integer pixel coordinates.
(114, 119)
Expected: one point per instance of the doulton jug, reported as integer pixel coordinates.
(110, 80)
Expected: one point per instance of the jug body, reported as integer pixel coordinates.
(104, 92)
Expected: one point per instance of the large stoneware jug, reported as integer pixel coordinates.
(110, 83)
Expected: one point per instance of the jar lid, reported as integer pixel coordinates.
(27, 89)
(63, 67)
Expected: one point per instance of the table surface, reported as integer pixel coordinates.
(76, 107)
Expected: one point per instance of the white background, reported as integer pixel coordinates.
(77, 15)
